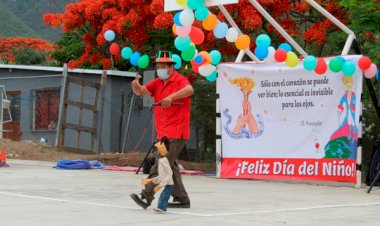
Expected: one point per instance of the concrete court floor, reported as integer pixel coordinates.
(34, 193)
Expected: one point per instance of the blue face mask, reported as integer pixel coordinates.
(162, 73)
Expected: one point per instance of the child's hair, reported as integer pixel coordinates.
(166, 142)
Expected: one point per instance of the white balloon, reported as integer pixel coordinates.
(186, 17)
(232, 34)
(270, 57)
(206, 70)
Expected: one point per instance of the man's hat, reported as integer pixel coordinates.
(164, 57)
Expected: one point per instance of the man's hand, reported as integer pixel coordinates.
(146, 181)
(156, 188)
(166, 102)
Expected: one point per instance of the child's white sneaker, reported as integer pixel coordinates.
(158, 210)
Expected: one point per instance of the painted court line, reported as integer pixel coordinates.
(197, 214)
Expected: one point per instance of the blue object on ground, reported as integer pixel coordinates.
(73, 164)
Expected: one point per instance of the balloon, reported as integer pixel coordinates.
(178, 62)
(263, 40)
(143, 61)
(174, 28)
(310, 63)
(182, 43)
(198, 59)
(321, 67)
(126, 53)
(270, 57)
(212, 77)
(206, 56)
(371, 71)
(210, 22)
(181, 2)
(261, 52)
(134, 58)
(285, 46)
(196, 35)
(109, 35)
(348, 68)
(189, 53)
(201, 13)
(216, 56)
(242, 42)
(341, 59)
(194, 66)
(291, 59)
(232, 34)
(220, 30)
(194, 4)
(186, 17)
(176, 19)
(114, 48)
(364, 63)
(183, 30)
(335, 65)
(206, 70)
(280, 55)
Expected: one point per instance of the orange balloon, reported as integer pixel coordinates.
(206, 56)
(242, 42)
(174, 28)
(210, 22)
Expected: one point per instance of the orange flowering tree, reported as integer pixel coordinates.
(145, 27)
(12, 49)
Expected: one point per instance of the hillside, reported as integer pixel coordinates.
(24, 18)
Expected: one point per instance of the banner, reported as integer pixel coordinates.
(288, 123)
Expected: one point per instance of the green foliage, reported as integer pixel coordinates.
(69, 47)
(29, 56)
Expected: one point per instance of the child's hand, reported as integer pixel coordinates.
(145, 181)
(157, 188)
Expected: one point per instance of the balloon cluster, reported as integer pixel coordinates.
(337, 64)
(127, 53)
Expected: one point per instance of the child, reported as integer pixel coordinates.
(164, 178)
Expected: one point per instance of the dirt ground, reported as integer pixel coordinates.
(28, 150)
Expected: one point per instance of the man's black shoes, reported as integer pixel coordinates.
(138, 201)
(178, 205)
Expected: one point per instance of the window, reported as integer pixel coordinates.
(46, 107)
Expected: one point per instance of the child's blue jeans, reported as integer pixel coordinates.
(164, 197)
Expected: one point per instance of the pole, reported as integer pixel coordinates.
(99, 129)
(128, 121)
(61, 103)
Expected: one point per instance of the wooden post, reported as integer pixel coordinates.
(59, 136)
(99, 129)
(121, 120)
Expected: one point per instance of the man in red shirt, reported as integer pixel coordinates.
(172, 92)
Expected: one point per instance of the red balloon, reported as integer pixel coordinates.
(196, 35)
(321, 67)
(114, 49)
(194, 66)
(280, 55)
(364, 63)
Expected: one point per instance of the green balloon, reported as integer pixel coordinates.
(143, 61)
(335, 65)
(188, 54)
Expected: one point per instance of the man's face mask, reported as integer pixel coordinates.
(163, 73)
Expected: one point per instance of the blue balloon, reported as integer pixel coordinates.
(377, 75)
(134, 58)
(182, 43)
(126, 53)
(342, 59)
(220, 30)
(109, 35)
(176, 19)
(194, 4)
(348, 68)
(198, 59)
(263, 40)
(212, 77)
(310, 63)
(178, 61)
(285, 46)
(261, 52)
(201, 13)
(216, 57)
